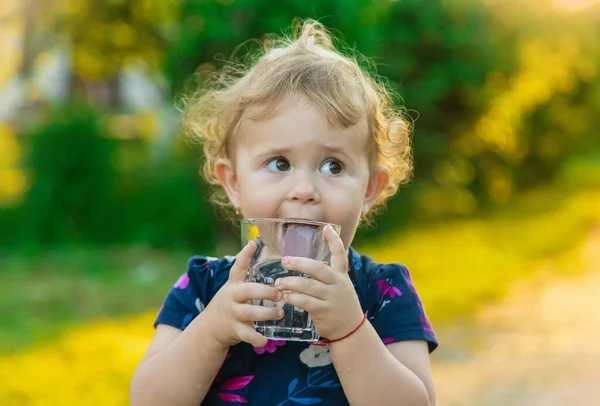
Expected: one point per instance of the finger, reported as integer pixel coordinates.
(308, 266)
(257, 291)
(305, 302)
(240, 267)
(307, 286)
(339, 257)
(247, 334)
(248, 312)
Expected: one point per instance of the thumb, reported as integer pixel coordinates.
(242, 263)
(339, 256)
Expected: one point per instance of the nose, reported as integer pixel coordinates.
(303, 188)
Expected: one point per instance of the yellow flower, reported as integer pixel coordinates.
(12, 179)
(89, 365)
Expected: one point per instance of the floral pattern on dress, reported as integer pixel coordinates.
(316, 378)
(231, 385)
(182, 282)
(270, 346)
(387, 289)
(316, 356)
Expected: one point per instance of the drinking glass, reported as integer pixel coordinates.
(276, 238)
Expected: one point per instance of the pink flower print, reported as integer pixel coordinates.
(386, 289)
(387, 340)
(235, 384)
(182, 282)
(270, 347)
(230, 397)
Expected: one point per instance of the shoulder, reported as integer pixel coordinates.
(375, 271)
(202, 267)
(391, 300)
(382, 280)
(376, 281)
(200, 263)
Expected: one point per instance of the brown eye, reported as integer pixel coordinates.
(332, 167)
(279, 165)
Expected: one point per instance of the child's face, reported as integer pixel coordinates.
(295, 165)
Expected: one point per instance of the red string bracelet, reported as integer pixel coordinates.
(325, 341)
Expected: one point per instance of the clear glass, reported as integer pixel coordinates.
(276, 238)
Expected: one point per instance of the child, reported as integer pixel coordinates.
(306, 134)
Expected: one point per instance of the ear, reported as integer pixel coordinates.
(228, 179)
(378, 182)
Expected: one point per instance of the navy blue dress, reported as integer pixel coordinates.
(288, 372)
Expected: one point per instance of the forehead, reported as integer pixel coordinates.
(298, 123)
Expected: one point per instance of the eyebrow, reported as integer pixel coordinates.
(274, 152)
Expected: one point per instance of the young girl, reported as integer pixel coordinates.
(305, 134)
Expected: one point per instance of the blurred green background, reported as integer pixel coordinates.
(101, 203)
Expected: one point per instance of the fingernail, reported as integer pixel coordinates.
(281, 313)
(285, 261)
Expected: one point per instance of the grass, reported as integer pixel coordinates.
(40, 295)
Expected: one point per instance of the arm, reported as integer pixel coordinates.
(396, 374)
(370, 372)
(179, 367)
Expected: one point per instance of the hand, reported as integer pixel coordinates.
(230, 314)
(328, 296)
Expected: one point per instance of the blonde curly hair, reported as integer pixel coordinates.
(306, 63)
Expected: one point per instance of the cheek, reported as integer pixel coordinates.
(347, 193)
(258, 193)
(262, 178)
(259, 185)
(344, 205)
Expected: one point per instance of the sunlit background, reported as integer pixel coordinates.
(101, 203)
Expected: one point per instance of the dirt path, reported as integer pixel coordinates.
(540, 346)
